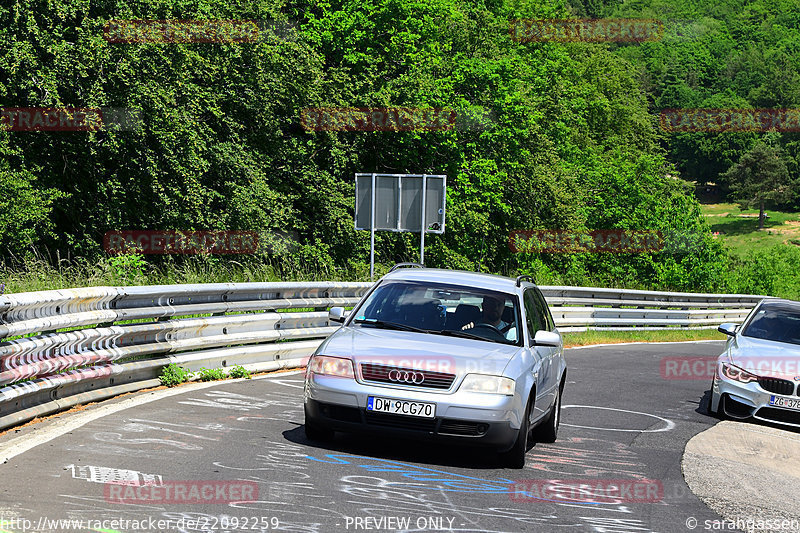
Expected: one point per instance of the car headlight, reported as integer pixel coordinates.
(488, 384)
(331, 366)
(737, 374)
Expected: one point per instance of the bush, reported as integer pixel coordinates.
(770, 271)
(173, 375)
(211, 374)
(127, 268)
(239, 372)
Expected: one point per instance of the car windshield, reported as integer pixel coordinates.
(780, 324)
(441, 309)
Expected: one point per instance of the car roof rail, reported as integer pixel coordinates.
(402, 265)
(525, 277)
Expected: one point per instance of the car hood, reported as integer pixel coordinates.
(766, 358)
(422, 351)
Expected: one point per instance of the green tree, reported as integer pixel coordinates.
(572, 143)
(761, 178)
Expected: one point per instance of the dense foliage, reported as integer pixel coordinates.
(574, 142)
(730, 54)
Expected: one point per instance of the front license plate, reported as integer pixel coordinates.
(401, 407)
(788, 403)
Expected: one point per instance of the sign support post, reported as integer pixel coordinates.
(372, 232)
(422, 223)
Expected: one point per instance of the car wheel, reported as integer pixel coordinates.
(318, 433)
(515, 457)
(547, 431)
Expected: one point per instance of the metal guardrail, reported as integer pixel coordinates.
(78, 345)
(64, 347)
(582, 308)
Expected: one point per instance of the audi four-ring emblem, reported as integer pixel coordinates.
(406, 376)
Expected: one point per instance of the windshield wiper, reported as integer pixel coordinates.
(388, 325)
(462, 334)
(467, 335)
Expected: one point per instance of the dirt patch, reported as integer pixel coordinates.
(791, 230)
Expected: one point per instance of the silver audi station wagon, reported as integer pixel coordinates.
(442, 355)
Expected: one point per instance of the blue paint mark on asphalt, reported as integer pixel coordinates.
(444, 481)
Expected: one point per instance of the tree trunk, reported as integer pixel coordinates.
(761, 216)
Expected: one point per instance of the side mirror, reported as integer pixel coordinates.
(337, 314)
(728, 328)
(546, 338)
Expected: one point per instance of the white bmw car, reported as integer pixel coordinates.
(758, 373)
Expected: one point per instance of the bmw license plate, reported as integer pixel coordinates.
(788, 403)
(400, 407)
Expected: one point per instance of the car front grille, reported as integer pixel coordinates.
(399, 421)
(778, 386)
(779, 415)
(460, 427)
(397, 376)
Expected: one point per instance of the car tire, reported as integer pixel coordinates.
(316, 432)
(547, 431)
(515, 457)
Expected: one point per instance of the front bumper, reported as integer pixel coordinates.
(746, 400)
(470, 418)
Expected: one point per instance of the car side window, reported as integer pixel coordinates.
(532, 313)
(544, 311)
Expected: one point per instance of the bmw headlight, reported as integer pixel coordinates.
(737, 374)
(488, 384)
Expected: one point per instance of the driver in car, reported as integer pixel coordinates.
(492, 315)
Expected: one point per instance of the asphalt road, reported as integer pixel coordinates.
(615, 467)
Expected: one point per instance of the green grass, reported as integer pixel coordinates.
(210, 374)
(173, 375)
(239, 372)
(739, 228)
(41, 275)
(586, 338)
